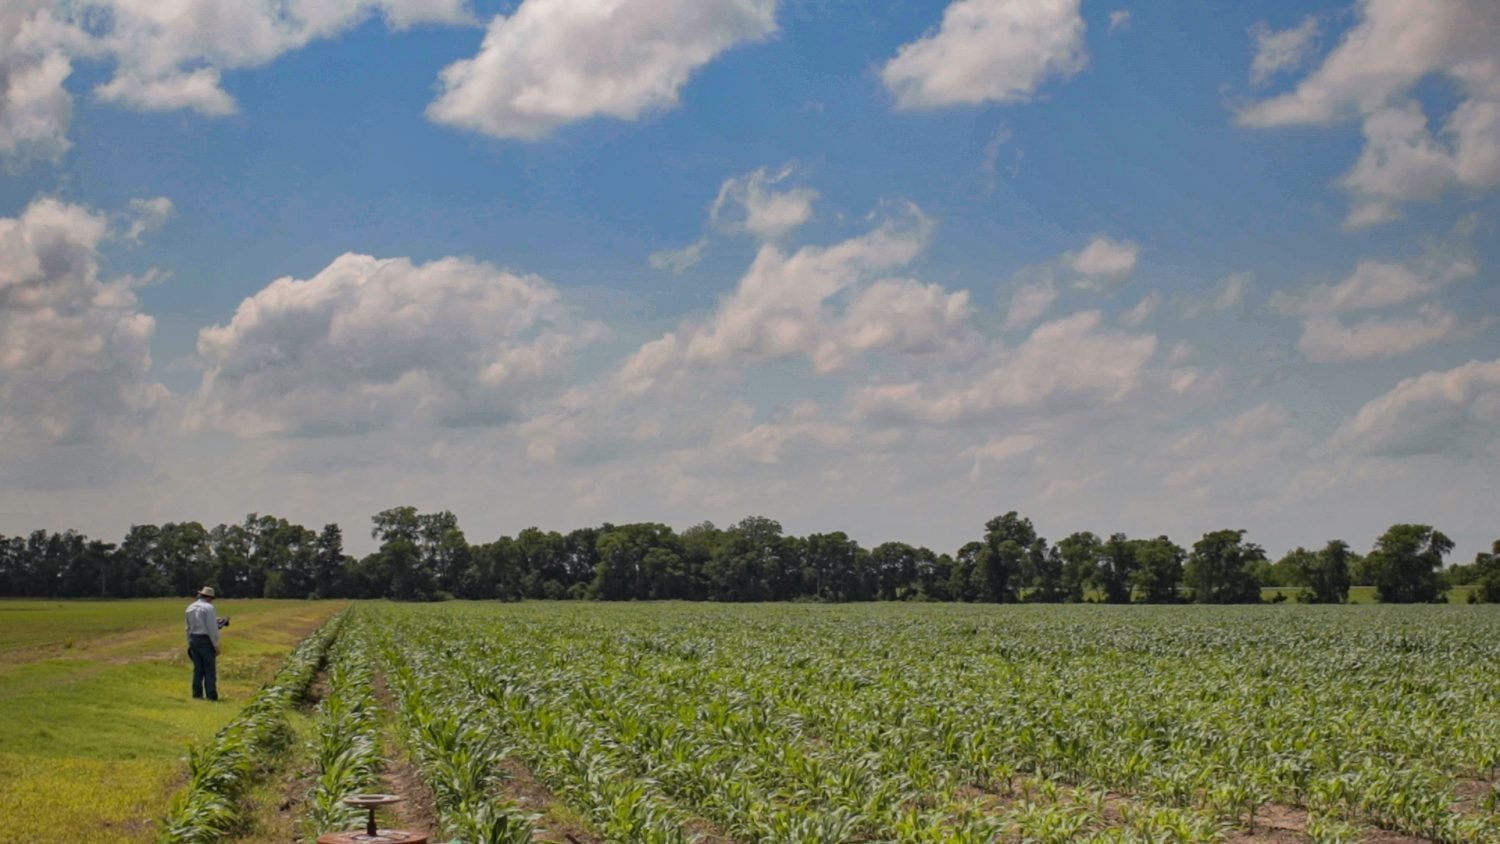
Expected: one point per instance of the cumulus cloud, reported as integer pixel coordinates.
(146, 215)
(1394, 45)
(1375, 284)
(1068, 361)
(783, 307)
(74, 350)
(988, 51)
(1119, 19)
(1402, 161)
(1103, 263)
(1137, 316)
(1277, 51)
(1029, 302)
(36, 48)
(1228, 293)
(1105, 260)
(678, 260)
(899, 315)
(1454, 412)
(1327, 339)
(999, 450)
(553, 62)
(166, 56)
(369, 343)
(170, 56)
(1215, 460)
(751, 203)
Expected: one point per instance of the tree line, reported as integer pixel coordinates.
(426, 556)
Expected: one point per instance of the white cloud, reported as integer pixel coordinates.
(781, 307)
(1068, 361)
(1029, 302)
(1231, 292)
(35, 59)
(1277, 51)
(1394, 45)
(1375, 284)
(170, 55)
(74, 351)
(1105, 259)
(553, 62)
(901, 316)
(1119, 20)
(369, 343)
(1219, 460)
(750, 203)
(1103, 263)
(1452, 412)
(1370, 75)
(166, 55)
(1402, 161)
(1228, 293)
(679, 260)
(988, 51)
(146, 215)
(1326, 339)
(1000, 450)
(1137, 316)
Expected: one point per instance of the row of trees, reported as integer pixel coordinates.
(426, 556)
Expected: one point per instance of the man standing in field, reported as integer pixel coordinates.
(203, 644)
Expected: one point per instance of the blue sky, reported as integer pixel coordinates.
(891, 268)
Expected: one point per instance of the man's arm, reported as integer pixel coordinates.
(213, 626)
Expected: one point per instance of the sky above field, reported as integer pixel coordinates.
(889, 267)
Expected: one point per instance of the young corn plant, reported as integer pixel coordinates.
(346, 748)
(219, 773)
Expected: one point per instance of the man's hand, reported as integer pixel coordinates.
(216, 651)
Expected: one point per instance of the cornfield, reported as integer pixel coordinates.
(678, 723)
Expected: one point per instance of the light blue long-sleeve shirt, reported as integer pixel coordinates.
(201, 619)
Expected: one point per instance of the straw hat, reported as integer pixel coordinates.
(206, 592)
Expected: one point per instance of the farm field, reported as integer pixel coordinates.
(669, 723)
(95, 716)
(794, 724)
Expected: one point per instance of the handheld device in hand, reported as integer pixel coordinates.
(223, 622)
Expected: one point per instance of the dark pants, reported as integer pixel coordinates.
(205, 671)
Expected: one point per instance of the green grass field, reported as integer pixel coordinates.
(95, 712)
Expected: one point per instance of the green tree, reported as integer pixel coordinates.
(966, 582)
(1487, 576)
(629, 566)
(329, 563)
(1218, 570)
(1043, 569)
(749, 561)
(1006, 540)
(1081, 553)
(1406, 562)
(1158, 570)
(542, 559)
(185, 557)
(1115, 569)
(1323, 575)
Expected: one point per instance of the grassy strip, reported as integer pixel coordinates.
(220, 773)
(346, 749)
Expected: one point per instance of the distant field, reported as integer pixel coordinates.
(95, 713)
(1359, 594)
